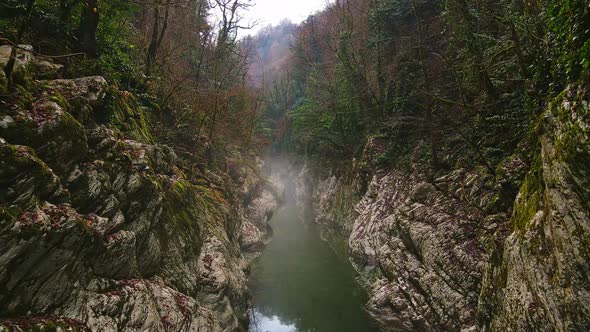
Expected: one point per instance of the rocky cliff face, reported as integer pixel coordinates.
(255, 230)
(453, 254)
(100, 229)
(417, 246)
(538, 278)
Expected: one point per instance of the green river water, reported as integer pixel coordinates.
(300, 285)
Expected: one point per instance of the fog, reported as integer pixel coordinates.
(299, 283)
(272, 12)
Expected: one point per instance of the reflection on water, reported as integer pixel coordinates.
(274, 324)
(300, 285)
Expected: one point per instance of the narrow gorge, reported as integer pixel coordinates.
(374, 165)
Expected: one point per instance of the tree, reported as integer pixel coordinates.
(88, 26)
(157, 33)
(8, 69)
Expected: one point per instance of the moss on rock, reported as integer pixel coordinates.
(27, 179)
(122, 110)
(530, 198)
(572, 144)
(54, 134)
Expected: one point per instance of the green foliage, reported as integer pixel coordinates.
(329, 133)
(48, 25)
(568, 25)
(118, 60)
(53, 28)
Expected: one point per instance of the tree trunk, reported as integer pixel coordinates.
(157, 37)
(428, 104)
(12, 60)
(65, 10)
(88, 27)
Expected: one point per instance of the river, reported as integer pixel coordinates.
(299, 284)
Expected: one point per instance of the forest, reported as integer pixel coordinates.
(457, 82)
(443, 144)
(191, 73)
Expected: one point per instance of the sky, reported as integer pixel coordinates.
(267, 12)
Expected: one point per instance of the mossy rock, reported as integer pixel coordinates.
(180, 212)
(530, 198)
(27, 66)
(22, 75)
(510, 174)
(191, 209)
(27, 179)
(44, 69)
(562, 159)
(571, 112)
(55, 135)
(122, 110)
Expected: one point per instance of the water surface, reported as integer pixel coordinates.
(300, 285)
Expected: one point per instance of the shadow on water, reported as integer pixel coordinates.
(300, 285)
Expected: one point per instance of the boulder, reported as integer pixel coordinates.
(27, 65)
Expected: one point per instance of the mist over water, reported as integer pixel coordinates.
(298, 283)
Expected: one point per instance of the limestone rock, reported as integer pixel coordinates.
(106, 234)
(424, 256)
(420, 192)
(537, 278)
(90, 89)
(27, 65)
(255, 231)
